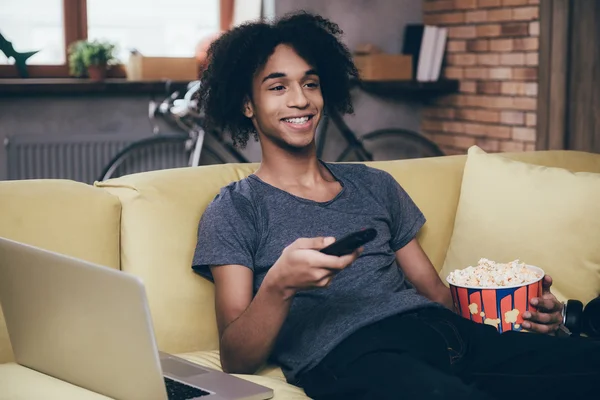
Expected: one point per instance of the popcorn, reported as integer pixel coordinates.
(488, 273)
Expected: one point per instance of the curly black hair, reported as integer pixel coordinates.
(236, 55)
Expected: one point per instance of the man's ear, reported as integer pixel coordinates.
(248, 109)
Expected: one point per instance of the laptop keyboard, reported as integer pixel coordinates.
(181, 391)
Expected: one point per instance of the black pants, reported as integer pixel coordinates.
(436, 354)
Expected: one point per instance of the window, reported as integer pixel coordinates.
(153, 27)
(34, 25)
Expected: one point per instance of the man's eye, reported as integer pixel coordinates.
(277, 88)
(312, 85)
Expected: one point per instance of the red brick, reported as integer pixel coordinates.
(494, 102)
(491, 59)
(488, 87)
(500, 73)
(456, 141)
(453, 151)
(534, 1)
(439, 112)
(530, 147)
(431, 125)
(489, 145)
(489, 3)
(478, 115)
(492, 131)
(465, 4)
(525, 13)
(523, 44)
(461, 32)
(531, 119)
(514, 29)
(453, 72)
(476, 16)
(512, 59)
(444, 18)
(512, 117)
(476, 73)
(456, 46)
(530, 89)
(501, 14)
(514, 2)
(534, 28)
(477, 45)
(525, 74)
(519, 88)
(462, 59)
(468, 87)
(453, 126)
(438, 5)
(523, 134)
(531, 59)
(490, 30)
(525, 103)
(511, 88)
(501, 45)
(511, 146)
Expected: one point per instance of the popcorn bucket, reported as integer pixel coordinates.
(501, 307)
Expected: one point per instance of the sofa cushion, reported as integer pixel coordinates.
(161, 211)
(544, 216)
(269, 375)
(67, 217)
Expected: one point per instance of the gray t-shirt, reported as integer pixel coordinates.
(250, 223)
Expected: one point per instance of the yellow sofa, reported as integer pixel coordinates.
(146, 224)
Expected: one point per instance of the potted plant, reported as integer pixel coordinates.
(90, 58)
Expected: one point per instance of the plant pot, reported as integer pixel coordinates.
(97, 72)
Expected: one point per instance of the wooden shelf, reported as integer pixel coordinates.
(412, 88)
(71, 87)
(123, 87)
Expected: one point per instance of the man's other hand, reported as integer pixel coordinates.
(548, 317)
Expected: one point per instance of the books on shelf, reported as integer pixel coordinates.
(426, 44)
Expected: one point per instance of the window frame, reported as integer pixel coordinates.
(75, 28)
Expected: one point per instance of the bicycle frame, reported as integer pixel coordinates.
(353, 142)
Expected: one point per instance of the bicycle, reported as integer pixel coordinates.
(187, 147)
(193, 150)
(379, 145)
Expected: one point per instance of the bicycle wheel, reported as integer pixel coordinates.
(394, 144)
(154, 153)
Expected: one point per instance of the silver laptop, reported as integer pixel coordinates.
(91, 326)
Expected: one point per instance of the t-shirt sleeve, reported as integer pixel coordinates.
(226, 234)
(406, 217)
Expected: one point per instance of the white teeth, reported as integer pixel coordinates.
(301, 120)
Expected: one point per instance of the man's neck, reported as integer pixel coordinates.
(283, 169)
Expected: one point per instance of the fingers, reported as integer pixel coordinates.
(540, 328)
(546, 284)
(548, 302)
(315, 243)
(544, 318)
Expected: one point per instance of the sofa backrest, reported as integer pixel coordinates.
(161, 211)
(63, 216)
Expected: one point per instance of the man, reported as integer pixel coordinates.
(375, 324)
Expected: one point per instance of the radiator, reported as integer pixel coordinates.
(83, 157)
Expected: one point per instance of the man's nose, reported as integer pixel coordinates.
(297, 98)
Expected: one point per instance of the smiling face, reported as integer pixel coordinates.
(286, 101)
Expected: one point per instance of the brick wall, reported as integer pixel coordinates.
(492, 50)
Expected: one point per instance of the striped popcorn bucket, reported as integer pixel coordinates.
(501, 307)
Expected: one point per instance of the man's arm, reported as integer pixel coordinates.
(422, 274)
(247, 327)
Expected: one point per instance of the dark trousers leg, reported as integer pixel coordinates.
(409, 356)
(435, 353)
(527, 364)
